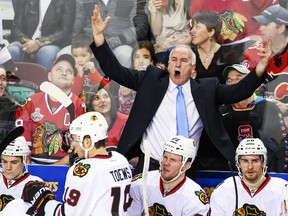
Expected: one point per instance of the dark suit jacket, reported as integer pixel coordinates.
(151, 86)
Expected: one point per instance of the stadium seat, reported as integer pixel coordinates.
(31, 76)
(31, 72)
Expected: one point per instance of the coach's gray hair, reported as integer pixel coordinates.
(193, 56)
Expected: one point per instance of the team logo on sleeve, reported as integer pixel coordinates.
(248, 210)
(81, 169)
(202, 196)
(136, 177)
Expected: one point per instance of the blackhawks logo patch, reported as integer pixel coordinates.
(81, 169)
(202, 196)
(249, 209)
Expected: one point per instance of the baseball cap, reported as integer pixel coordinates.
(69, 58)
(240, 68)
(274, 13)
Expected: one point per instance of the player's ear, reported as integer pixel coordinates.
(49, 76)
(186, 166)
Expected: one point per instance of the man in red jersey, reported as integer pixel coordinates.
(44, 118)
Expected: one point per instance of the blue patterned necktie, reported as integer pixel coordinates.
(181, 114)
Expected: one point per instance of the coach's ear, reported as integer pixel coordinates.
(37, 194)
(193, 72)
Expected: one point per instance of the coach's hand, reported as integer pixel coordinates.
(37, 194)
(98, 26)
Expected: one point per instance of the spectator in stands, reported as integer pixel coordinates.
(13, 177)
(8, 103)
(40, 28)
(243, 13)
(153, 116)
(45, 118)
(87, 75)
(253, 192)
(238, 29)
(142, 56)
(129, 23)
(274, 22)
(169, 191)
(169, 21)
(210, 55)
(101, 100)
(253, 117)
(5, 57)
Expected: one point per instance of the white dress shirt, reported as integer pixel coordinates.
(163, 124)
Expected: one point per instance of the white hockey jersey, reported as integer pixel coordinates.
(15, 188)
(188, 198)
(267, 200)
(95, 186)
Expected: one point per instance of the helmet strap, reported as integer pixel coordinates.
(179, 172)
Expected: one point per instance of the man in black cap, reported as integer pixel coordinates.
(253, 117)
(274, 22)
(44, 118)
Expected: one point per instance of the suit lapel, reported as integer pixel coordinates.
(198, 97)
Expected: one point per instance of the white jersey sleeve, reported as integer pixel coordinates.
(136, 194)
(15, 207)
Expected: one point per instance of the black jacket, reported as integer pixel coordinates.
(57, 23)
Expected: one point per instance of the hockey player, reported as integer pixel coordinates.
(13, 177)
(257, 192)
(98, 185)
(44, 118)
(170, 192)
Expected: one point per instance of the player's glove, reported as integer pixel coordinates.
(4, 200)
(37, 194)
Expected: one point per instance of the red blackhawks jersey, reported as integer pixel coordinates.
(267, 200)
(277, 69)
(95, 186)
(187, 198)
(44, 121)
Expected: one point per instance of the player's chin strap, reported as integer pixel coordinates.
(86, 153)
(147, 148)
(179, 173)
